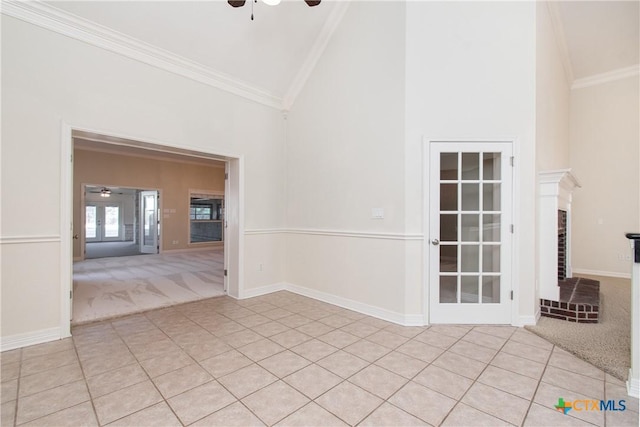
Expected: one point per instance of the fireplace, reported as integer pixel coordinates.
(561, 295)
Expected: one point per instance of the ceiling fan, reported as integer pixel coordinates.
(104, 192)
(240, 3)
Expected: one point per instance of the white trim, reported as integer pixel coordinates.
(21, 240)
(214, 246)
(561, 39)
(62, 22)
(602, 273)
(633, 386)
(610, 76)
(356, 234)
(255, 231)
(29, 338)
(262, 290)
(527, 320)
(303, 74)
(377, 312)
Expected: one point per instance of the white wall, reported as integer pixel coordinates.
(47, 79)
(344, 157)
(605, 156)
(471, 74)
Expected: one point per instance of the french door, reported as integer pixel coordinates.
(149, 222)
(470, 190)
(103, 222)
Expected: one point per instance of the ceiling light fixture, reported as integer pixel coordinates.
(240, 3)
(105, 192)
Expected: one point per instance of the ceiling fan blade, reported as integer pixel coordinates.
(236, 3)
(312, 3)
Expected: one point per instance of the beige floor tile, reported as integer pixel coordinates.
(360, 329)
(235, 415)
(367, 350)
(621, 418)
(8, 413)
(11, 356)
(450, 330)
(464, 415)
(373, 321)
(508, 381)
(101, 349)
(613, 380)
(260, 307)
(52, 378)
(342, 363)
(337, 321)
(206, 350)
(401, 364)
(283, 364)
(313, 381)
(378, 381)
(315, 329)
(275, 402)
(290, 338)
(349, 402)
(497, 403)
(47, 348)
(423, 403)
(10, 371)
(316, 314)
(387, 339)
(50, 401)
(167, 362)
(311, 415)
(9, 391)
(314, 350)
(389, 415)
(405, 331)
(542, 416)
(518, 365)
(271, 328)
(277, 313)
(253, 320)
(201, 401)
(293, 321)
(228, 328)
(619, 392)
(525, 337)
(247, 380)
(260, 349)
(338, 338)
(547, 396)
(126, 401)
(146, 337)
(236, 312)
(473, 351)
(567, 361)
(443, 381)
(100, 364)
(225, 363)
(181, 380)
(575, 382)
(79, 415)
(115, 380)
(436, 339)
(537, 354)
(421, 351)
(154, 349)
(238, 339)
(157, 415)
(46, 362)
(497, 331)
(484, 340)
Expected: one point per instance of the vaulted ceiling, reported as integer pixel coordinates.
(272, 55)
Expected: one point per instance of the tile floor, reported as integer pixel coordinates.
(283, 359)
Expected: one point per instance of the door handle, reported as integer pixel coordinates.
(75, 237)
(435, 242)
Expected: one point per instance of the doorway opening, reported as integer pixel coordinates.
(144, 219)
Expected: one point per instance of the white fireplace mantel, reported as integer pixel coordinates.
(555, 193)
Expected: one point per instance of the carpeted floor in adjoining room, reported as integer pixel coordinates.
(607, 344)
(109, 287)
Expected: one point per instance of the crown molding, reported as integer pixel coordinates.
(303, 74)
(561, 39)
(61, 22)
(610, 76)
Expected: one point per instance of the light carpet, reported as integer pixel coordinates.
(110, 287)
(607, 344)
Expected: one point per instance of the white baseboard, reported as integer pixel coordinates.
(528, 320)
(369, 310)
(602, 273)
(262, 290)
(30, 338)
(204, 248)
(414, 320)
(633, 385)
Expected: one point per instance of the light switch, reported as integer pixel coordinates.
(377, 213)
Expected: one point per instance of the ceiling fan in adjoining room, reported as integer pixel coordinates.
(104, 192)
(240, 3)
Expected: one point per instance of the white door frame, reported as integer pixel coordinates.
(157, 226)
(426, 209)
(234, 208)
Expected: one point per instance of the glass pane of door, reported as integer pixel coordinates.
(91, 222)
(112, 222)
(149, 219)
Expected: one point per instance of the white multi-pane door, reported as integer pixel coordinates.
(103, 222)
(149, 222)
(470, 232)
